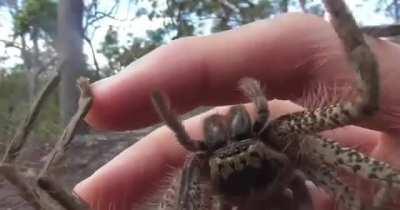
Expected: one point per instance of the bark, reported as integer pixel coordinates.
(69, 47)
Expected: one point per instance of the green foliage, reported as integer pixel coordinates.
(36, 14)
(119, 56)
(14, 107)
(390, 7)
(184, 18)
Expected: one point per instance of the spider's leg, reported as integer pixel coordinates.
(301, 196)
(251, 88)
(363, 62)
(280, 162)
(161, 104)
(169, 198)
(324, 176)
(381, 198)
(195, 190)
(279, 201)
(327, 151)
(221, 204)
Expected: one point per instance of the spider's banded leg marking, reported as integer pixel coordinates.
(161, 104)
(251, 88)
(194, 193)
(331, 153)
(366, 67)
(322, 175)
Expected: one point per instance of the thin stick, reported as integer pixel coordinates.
(44, 181)
(28, 191)
(382, 30)
(64, 198)
(85, 101)
(25, 127)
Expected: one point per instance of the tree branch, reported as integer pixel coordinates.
(25, 127)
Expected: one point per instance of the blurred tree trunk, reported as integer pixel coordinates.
(396, 11)
(284, 6)
(69, 47)
(35, 65)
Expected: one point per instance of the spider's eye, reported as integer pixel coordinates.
(240, 123)
(215, 131)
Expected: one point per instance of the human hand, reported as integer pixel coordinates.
(287, 54)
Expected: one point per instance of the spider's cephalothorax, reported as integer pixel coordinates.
(239, 163)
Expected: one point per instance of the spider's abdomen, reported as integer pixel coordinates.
(241, 168)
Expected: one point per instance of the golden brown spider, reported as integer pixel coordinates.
(244, 171)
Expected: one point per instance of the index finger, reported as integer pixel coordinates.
(205, 70)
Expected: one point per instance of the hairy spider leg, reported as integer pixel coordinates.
(251, 88)
(162, 106)
(366, 67)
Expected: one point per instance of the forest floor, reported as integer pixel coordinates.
(86, 154)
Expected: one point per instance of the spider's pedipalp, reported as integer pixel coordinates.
(251, 88)
(240, 126)
(216, 132)
(161, 104)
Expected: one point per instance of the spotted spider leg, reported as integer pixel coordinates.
(315, 153)
(285, 129)
(341, 114)
(343, 194)
(350, 160)
(195, 191)
(330, 153)
(190, 188)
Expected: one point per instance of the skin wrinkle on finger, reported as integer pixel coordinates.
(132, 175)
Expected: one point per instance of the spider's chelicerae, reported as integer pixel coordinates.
(244, 164)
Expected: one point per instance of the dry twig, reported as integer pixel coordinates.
(28, 190)
(56, 191)
(382, 30)
(25, 127)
